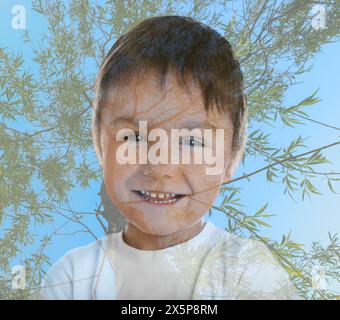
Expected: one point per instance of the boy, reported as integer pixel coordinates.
(168, 73)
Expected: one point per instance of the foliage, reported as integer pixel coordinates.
(45, 120)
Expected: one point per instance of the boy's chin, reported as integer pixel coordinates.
(164, 229)
(159, 230)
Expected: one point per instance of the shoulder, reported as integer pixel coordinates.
(237, 246)
(86, 253)
(264, 277)
(244, 249)
(74, 272)
(250, 267)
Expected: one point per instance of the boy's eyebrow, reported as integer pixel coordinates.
(195, 124)
(121, 120)
(188, 124)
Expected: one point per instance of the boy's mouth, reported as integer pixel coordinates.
(159, 198)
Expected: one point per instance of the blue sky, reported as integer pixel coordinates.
(309, 220)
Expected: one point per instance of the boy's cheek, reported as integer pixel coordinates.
(106, 144)
(206, 188)
(112, 175)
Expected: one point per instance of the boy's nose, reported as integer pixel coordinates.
(160, 170)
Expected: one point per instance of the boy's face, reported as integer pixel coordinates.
(171, 109)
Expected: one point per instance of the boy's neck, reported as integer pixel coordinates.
(137, 239)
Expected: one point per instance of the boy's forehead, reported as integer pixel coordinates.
(172, 107)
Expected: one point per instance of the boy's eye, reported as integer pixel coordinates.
(192, 141)
(133, 137)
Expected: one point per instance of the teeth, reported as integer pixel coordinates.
(160, 195)
(163, 202)
(152, 196)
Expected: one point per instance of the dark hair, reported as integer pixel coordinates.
(184, 46)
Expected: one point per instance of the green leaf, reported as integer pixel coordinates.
(261, 210)
(262, 222)
(310, 100)
(330, 186)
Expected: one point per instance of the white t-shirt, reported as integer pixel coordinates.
(213, 265)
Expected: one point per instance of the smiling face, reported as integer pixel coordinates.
(128, 185)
